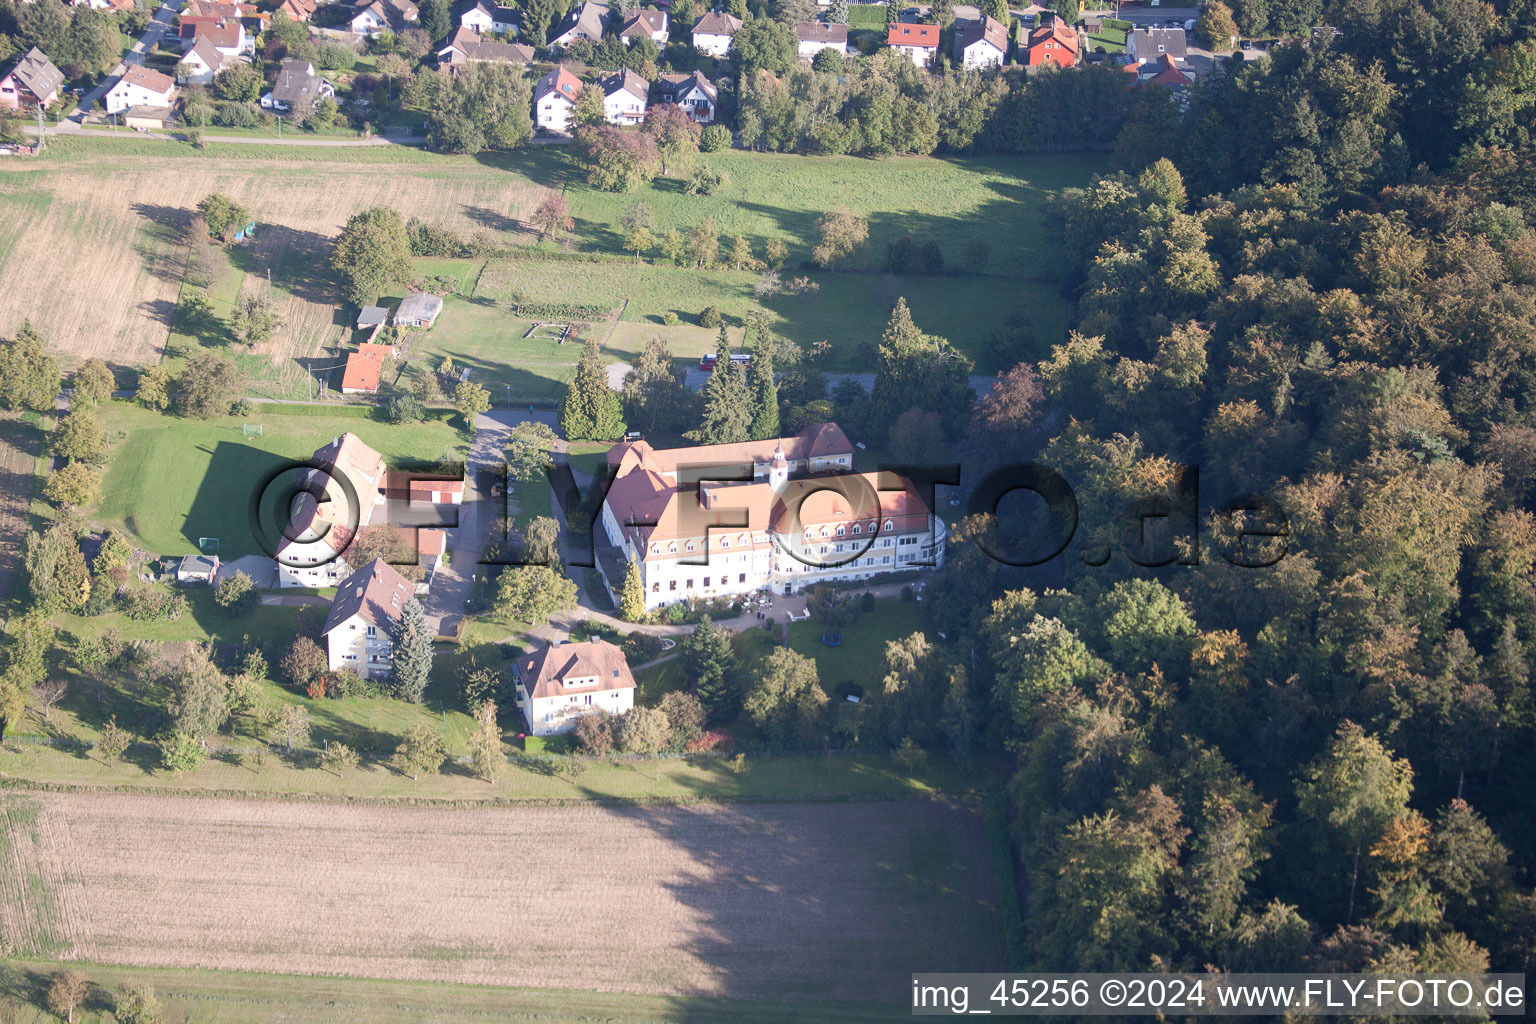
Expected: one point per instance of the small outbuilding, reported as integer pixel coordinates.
(202, 569)
(372, 316)
(418, 310)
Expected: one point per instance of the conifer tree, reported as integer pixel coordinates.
(727, 415)
(591, 410)
(632, 601)
(707, 664)
(411, 657)
(760, 379)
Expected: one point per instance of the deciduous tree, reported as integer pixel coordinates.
(372, 255)
(421, 750)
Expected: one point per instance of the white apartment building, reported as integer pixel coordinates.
(798, 516)
(359, 632)
(558, 685)
(321, 531)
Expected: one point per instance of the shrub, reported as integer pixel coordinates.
(560, 311)
(180, 752)
(154, 603)
(641, 647)
(594, 733)
(712, 741)
(237, 592)
(238, 115)
(403, 408)
(643, 731)
(710, 317)
(715, 138)
(867, 602)
(335, 56)
(906, 593)
(669, 318)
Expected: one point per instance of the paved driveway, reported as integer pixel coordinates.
(445, 603)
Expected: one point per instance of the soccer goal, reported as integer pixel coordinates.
(251, 430)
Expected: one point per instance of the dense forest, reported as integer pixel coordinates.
(1317, 282)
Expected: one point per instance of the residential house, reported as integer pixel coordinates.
(418, 309)
(624, 97)
(202, 63)
(648, 22)
(1053, 42)
(371, 18)
(32, 81)
(296, 89)
(202, 569)
(255, 21)
(141, 87)
(917, 43)
(980, 44)
(228, 36)
(465, 47)
(115, 6)
(486, 18)
(693, 92)
(1148, 44)
(298, 10)
(557, 685)
(816, 36)
(787, 513)
(712, 33)
(365, 368)
(1163, 72)
(348, 475)
(554, 98)
(589, 22)
(359, 632)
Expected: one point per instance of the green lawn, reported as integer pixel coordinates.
(241, 997)
(861, 656)
(171, 481)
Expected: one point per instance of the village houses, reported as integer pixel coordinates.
(917, 43)
(554, 98)
(624, 97)
(815, 36)
(486, 18)
(141, 87)
(980, 44)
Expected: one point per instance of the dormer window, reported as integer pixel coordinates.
(888, 524)
(672, 548)
(725, 542)
(655, 549)
(841, 531)
(688, 546)
(857, 529)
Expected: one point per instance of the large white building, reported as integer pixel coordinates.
(796, 516)
(141, 87)
(557, 685)
(359, 632)
(319, 532)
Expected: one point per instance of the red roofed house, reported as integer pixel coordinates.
(1166, 74)
(227, 35)
(799, 517)
(554, 98)
(141, 87)
(361, 377)
(430, 546)
(359, 632)
(437, 492)
(347, 474)
(298, 10)
(1054, 42)
(918, 43)
(559, 684)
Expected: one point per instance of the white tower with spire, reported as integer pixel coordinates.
(778, 469)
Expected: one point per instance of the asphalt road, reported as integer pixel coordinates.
(158, 26)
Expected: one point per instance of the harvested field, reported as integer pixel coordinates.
(91, 252)
(803, 901)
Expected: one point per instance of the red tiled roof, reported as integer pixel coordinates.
(903, 34)
(544, 672)
(560, 81)
(424, 489)
(1058, 31)
(377, 592)
(138, 74)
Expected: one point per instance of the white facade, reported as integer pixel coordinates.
(623, 107)
(498, 19)
(981, 54)
(922, 56)
(553, 112)
(359, 646)
(549, 716)
(809, 48)
(199, 71)
(712, 44)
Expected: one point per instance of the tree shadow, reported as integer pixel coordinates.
(163, 249)
(488, 218)
(297, 260)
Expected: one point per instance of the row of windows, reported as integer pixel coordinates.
(725, 581)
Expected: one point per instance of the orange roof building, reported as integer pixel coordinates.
(556, 685)
(782, 514)
(918, 43)
(365, 368)
(341, 493)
